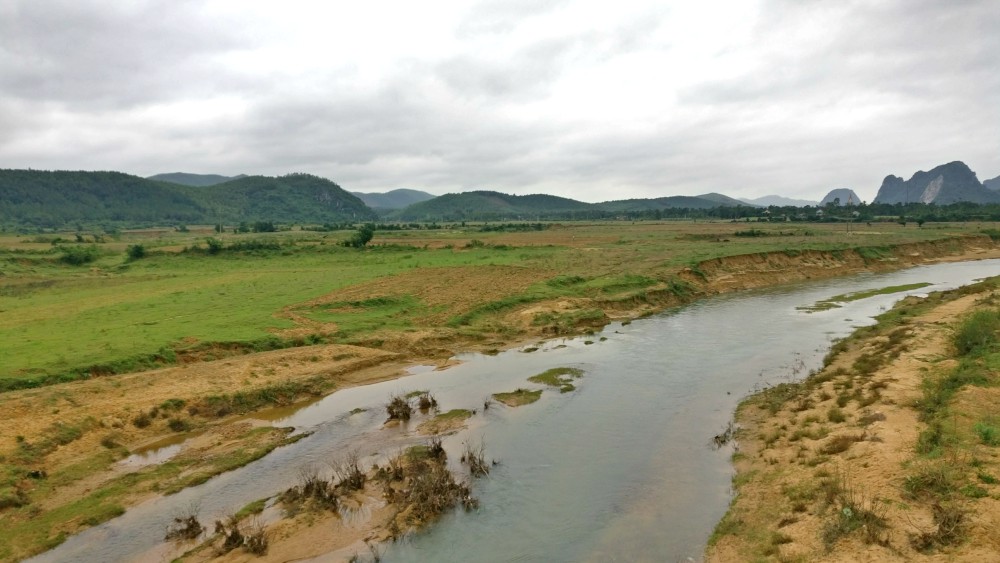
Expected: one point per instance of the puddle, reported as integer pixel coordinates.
(156, 452)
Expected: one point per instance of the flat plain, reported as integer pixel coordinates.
(125, 349)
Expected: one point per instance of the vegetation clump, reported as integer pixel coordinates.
(426, 401)
(558, 377)
(278, 394)
(978, 332)
(311, 492)
(79, 255)
(475, 457)
(362, 237)
(349, 474)
(518, 397)
(445, 422)
(184, 528)
(854, 512)
(398, 408)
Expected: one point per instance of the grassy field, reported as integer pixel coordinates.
(202, 304)
(114, 314)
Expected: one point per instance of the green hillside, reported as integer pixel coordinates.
(723, 200)
(490, 206)
(57, 199)
(295, 198)
(707, 201)
(65, 199)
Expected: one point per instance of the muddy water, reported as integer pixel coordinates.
(619, 469)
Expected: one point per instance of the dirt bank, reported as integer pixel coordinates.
(848, 466)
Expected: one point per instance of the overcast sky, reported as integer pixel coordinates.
(593, 100)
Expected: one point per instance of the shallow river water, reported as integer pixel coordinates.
(619, 469)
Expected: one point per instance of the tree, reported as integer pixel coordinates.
(362, 237)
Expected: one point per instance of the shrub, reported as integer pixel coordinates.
(136, 252)
(185, 526)
(349, 473)
(110, 442)
(950, 523)
(979, 330)
(930, 480)
(141, 420)
(988, 434)
(427, 401)
(475, 458)
(178, 424)
(311, 488)
(232, 536)
(854, 512)
(79, 255)
(255, 539)
(840, 443)
(398, 408)
(215, 245)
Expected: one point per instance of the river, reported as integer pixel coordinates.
(619, 469)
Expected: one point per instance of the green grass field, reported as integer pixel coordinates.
(57, 318)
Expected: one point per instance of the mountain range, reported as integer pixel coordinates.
(948, 183)
(61, 198)
(778, 201)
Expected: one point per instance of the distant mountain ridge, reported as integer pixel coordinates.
(705, 201)
(57, 199)
(187, 179)
(992, 184)
(393, 199)
(489, 205)
(944, 184)
(842, 197)
(779, 201)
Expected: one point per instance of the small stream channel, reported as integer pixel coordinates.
(620, 469)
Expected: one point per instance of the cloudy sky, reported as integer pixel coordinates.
(594, 100)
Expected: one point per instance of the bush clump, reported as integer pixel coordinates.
(978, 331)
(398, 408)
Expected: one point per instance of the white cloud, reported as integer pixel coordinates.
(579, 98)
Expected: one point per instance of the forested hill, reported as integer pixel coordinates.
(65, 199)
(62, 198)
(294, 198)
(489, 206)
(492, 206)
(705, 201)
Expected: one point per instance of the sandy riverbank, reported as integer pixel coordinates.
(843, 467)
